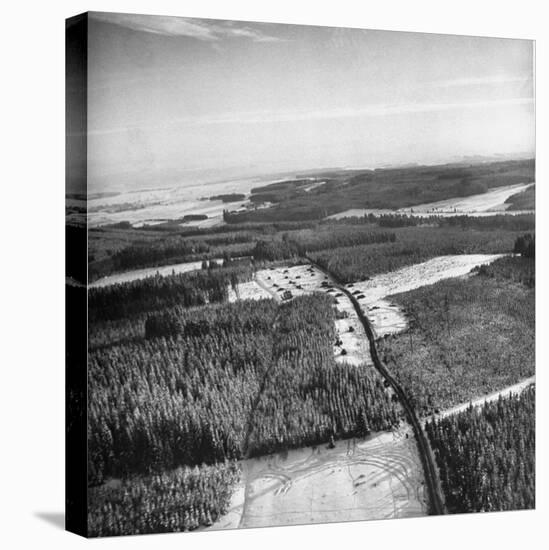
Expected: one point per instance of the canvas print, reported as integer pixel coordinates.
(300, 274)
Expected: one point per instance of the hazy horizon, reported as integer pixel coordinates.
(179, 101)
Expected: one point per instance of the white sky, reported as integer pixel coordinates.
(175, 100)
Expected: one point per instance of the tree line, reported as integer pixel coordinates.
(173, 250)
(157, 292)
(518, 222)
(177, 500)
(412, 245)
(300, 243)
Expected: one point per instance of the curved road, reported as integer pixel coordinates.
(431, 475)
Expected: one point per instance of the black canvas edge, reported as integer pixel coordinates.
(76, 399)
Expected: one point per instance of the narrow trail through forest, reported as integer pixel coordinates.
(517, 388)
(250, 424)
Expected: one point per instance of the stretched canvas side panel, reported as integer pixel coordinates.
(76, 45)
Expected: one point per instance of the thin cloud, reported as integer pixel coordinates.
(480, 80)
(201, 29)
(376, 110)
(267, 117)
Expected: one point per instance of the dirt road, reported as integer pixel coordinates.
(432, 480)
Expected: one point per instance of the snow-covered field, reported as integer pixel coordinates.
(155, 205)
(136, 274)
(387, 317)
(304, 279)
(485, 204)
(491, 201)
(139, 214)
(374, 478)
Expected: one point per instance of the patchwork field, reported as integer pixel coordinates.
(288, 341)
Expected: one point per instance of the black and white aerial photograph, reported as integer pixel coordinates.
(308, 258)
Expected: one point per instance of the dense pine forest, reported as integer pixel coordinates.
(307, 397)
(119, 331)
(235, 380)
(299, 243)
(155, 293)
(518, 222)
(178, 500)
(448, 354)
(486, 456)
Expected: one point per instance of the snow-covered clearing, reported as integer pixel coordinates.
(137, 274)
(352, 346)
(377, 477)
(389, 318)
(491, 201)
(485, 204)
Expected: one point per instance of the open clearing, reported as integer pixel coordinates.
(491, 201)
(151, 213)
(304, 279)
(377, 477)
(137, 274)
(387, 317)
(485, 204)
